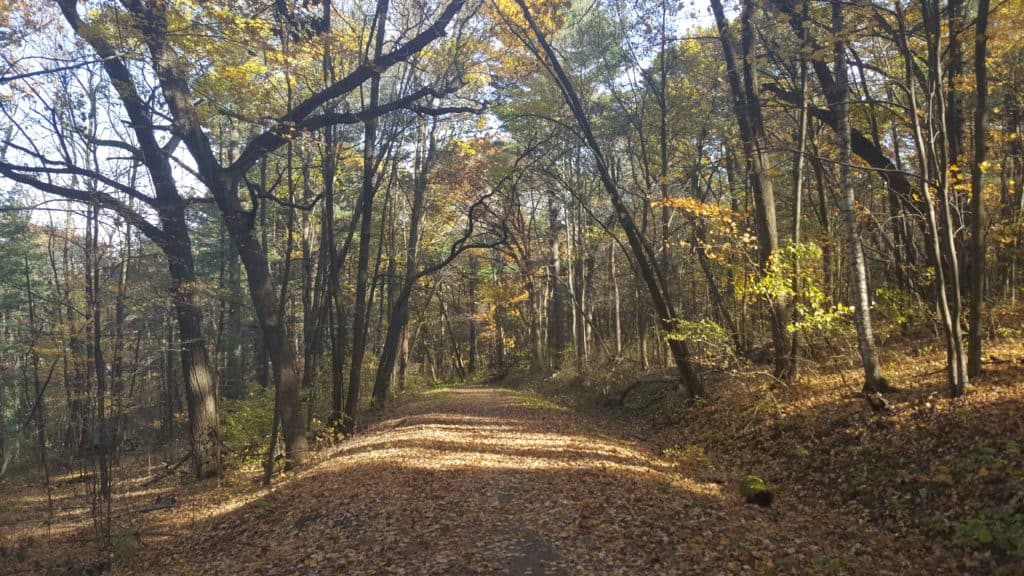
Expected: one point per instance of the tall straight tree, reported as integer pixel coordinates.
(556, 302)
(979, 221)
(361, 310)
(856, 269)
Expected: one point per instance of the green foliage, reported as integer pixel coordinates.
(323, 433)
(533, 400)
(988, 459)
(124, 545)
(994, 529)
(796, 451)
(827, 566)
(814, 312)
(899, 307)
(20, 248)
(703, 335)
(245, 425)
(20, 254)
(1007, 332)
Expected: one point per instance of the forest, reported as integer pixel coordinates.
(511, 287)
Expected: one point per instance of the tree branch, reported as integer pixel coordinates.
(93, 197)
(271, 139)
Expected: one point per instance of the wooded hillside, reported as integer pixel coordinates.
(770, 235)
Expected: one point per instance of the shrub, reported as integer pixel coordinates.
(814, 312)
(246, 425)
(703, 336)
(900, 308)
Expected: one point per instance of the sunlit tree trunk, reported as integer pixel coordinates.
(873, 379)
(556, 303)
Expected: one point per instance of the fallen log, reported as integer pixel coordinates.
(168, 469)
(662, 379)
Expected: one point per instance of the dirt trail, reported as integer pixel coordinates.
(485, 481)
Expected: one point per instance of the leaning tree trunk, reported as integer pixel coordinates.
(275, 337)
(642, 252)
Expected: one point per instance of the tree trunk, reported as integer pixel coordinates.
(360, 313)
(556, 305)
(747, 107)
(399, 317)
(474, 270)
(933, 153)
(101, 448)
(276, 338)
(873, 380)
(38, 390)
(170, 393)
(198, 374)
(616, 300)
(979, 222)
(798, 197)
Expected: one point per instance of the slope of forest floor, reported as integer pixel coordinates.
(478, 480)
(928, 485)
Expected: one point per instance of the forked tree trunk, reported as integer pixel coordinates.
(399, 317)
(941, 245)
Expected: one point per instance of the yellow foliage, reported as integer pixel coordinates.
(696, 207)
(522, 297)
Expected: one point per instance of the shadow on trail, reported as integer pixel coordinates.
(470, 482)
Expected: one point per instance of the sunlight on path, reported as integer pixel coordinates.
(467, 481)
